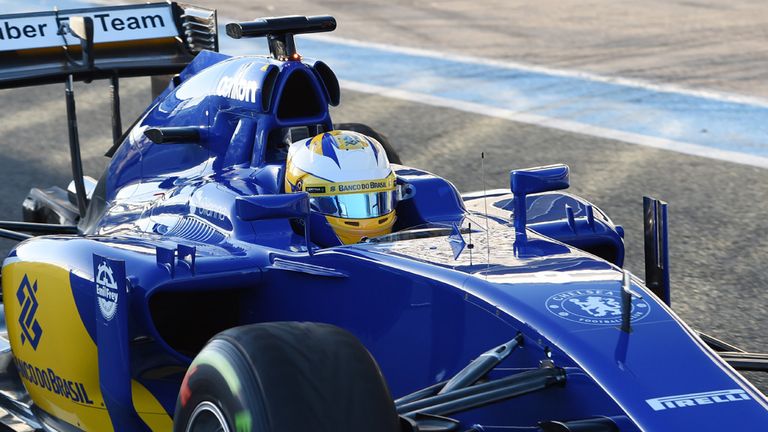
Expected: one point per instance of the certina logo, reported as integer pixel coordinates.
(315, 189)
(238, 88)
(594, 306)
(698, 399)
(106, 291)
(30, 327)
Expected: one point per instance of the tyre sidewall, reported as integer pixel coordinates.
(221, 376)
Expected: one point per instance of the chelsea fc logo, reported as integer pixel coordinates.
(106, 291)
(594, 306)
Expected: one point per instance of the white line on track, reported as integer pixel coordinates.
(560, 124)
(544, 121)
(637, 83)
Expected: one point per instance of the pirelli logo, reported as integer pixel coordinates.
(698, 399)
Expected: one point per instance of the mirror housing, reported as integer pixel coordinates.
(278, 206)
(539, 179)
(534, 180)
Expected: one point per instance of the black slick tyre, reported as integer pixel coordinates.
(284, 377)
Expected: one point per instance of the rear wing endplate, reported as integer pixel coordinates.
(135, 40)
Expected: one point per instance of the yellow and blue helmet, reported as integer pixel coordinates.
(349, 180)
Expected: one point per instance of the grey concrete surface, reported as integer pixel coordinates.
(718, 210)
(718, 218)
(704, 44)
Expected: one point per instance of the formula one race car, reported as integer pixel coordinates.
(199, 286)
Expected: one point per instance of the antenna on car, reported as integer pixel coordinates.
(279, 32)
(471, 245)
(485, 204)
(626, 301)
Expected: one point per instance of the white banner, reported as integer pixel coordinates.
(20, 32)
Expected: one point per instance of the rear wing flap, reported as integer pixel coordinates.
(134, 40)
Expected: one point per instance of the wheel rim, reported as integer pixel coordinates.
(207, 417)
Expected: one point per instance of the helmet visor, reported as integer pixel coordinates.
(355, 206)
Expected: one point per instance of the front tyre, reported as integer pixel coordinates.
(284, 377)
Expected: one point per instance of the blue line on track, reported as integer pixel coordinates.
(704, 121)
(676, 117)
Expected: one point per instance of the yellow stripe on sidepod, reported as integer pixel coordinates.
(149, 409)
(57, 359)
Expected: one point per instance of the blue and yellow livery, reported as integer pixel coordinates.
(189, 262)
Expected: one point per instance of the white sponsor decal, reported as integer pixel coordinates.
(698, 399)
(238, 88)
(208, 213)
(594, 306)
(109, 25)
(106, 291)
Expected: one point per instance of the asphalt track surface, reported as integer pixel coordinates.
(718, 211)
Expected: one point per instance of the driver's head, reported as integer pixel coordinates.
(349, 180)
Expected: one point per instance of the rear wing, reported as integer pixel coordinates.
(63, 46)
(134, 40)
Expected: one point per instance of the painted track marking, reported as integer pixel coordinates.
(703, 123)
(710, 124)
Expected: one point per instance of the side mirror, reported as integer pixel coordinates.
(539, 179)
(280, 206)
(534, 180)
(82, 28)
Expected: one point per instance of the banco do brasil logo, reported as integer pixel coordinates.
(30, 327)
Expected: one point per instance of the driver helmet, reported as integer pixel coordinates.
(349, 180)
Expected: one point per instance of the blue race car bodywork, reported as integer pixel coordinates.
(175, 248)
